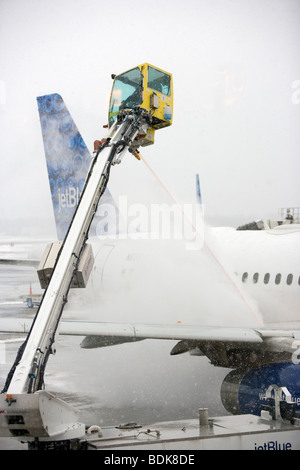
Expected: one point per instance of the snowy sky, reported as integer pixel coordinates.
(236, 71)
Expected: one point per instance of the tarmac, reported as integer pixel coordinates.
(138, 382)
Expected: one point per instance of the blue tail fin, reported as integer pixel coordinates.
(198, 189)
(199, 198)
(68, 161)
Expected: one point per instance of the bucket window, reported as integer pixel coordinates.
(126, 93)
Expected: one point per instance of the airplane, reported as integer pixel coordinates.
(232, 295)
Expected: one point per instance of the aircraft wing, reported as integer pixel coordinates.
(140, 331)
(20, 262)
(22, 251)
(210, 341)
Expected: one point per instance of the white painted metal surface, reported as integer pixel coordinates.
(39, 414)
(244, 432)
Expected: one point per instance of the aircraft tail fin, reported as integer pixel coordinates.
(198, 189)
(68, 161)
(200, 205)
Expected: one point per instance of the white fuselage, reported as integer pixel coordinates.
(267, 263)
(243, 277)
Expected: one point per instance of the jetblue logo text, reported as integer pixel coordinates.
(274, 445)
(69, 198)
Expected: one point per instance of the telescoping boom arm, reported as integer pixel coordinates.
(28, 374)
(26, 410)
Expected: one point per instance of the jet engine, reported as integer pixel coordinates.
(244, 391)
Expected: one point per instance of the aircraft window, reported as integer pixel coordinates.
(299, 280)
(277, 278)
(267, 278)
(245, 277)
(255, 277)
(289, 279)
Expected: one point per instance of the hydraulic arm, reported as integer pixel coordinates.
(27, 375)
(26, 410)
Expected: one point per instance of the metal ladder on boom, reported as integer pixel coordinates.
(141, 102)
(24, 404)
